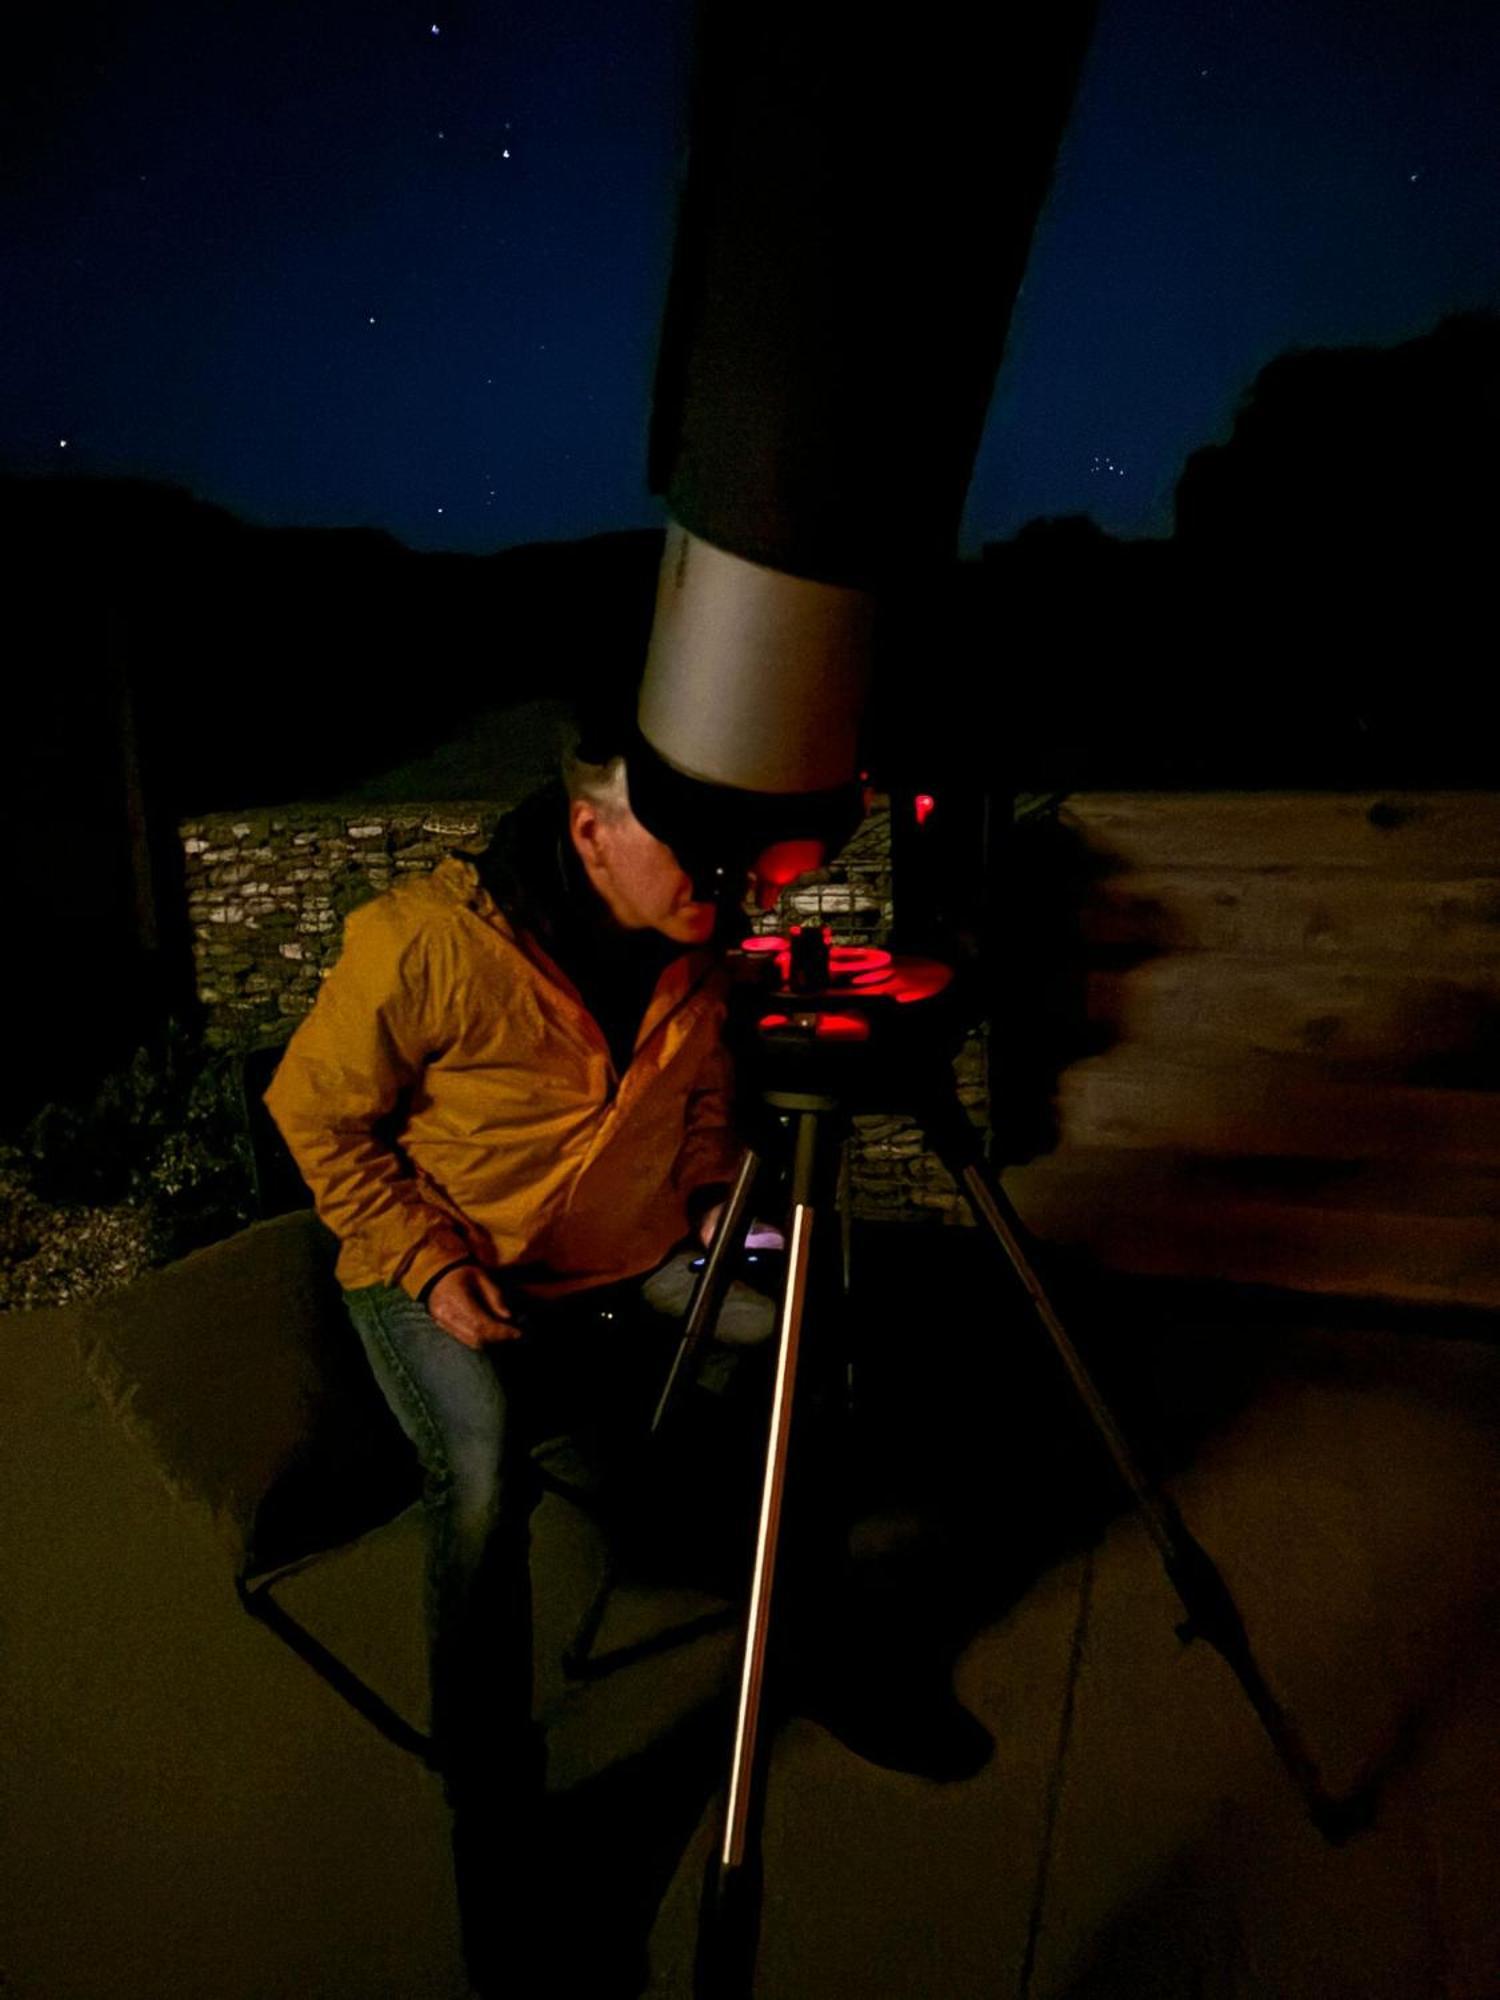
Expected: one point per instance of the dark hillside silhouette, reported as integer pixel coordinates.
(1348, 526)
(1321, 619)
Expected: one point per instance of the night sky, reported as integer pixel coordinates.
(335, 264)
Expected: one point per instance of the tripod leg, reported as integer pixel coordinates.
(713, 1282)
(1212, 1613)
(846, 1261)
(729, 1927)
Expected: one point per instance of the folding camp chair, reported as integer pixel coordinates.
(239, 1371)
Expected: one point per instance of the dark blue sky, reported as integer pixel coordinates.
(324, 265)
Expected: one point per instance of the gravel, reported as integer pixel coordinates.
(52, 1256)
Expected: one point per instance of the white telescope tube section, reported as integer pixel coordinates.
(755, 679)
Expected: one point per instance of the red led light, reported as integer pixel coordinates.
(824, 1027)
(842, 1028)
(924, 805)
(780, 864)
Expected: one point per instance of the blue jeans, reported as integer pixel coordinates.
(589, 1366)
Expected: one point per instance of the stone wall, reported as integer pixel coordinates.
(268, 893)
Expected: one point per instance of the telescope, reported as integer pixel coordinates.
(855, 215)
(855, 218)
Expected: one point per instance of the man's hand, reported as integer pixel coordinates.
(469, 1304)
(762, 1236)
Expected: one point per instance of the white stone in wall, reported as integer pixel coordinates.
(834, 899)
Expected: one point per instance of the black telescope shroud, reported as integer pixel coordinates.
(860, 194)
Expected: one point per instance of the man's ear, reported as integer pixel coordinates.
(584, 823)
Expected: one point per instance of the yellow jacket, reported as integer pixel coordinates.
(450, 1097)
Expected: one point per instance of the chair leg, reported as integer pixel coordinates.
(582, 1663)
(361, 1697)
(577, 1659)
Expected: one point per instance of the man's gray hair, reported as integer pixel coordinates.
(603, 785)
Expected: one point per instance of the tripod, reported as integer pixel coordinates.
(824, 1056)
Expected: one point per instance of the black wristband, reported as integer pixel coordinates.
(458, 1264)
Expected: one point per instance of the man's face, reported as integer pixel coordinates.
(639, 877)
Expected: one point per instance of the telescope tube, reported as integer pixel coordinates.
(860, 193)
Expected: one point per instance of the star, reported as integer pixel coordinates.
(436, 29)
(62, 444)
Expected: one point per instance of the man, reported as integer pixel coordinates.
(512, 1104)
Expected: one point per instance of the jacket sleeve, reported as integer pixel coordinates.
(375, 1024)
(711, 1150)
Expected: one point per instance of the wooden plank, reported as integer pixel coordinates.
(1167, 1178)
(1391, 833)
(1265, 1105)
(1399, 1022)
(1304, 1084)
(1329, 914)
(1127, 1225)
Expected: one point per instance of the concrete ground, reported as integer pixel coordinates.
(189, 1811)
